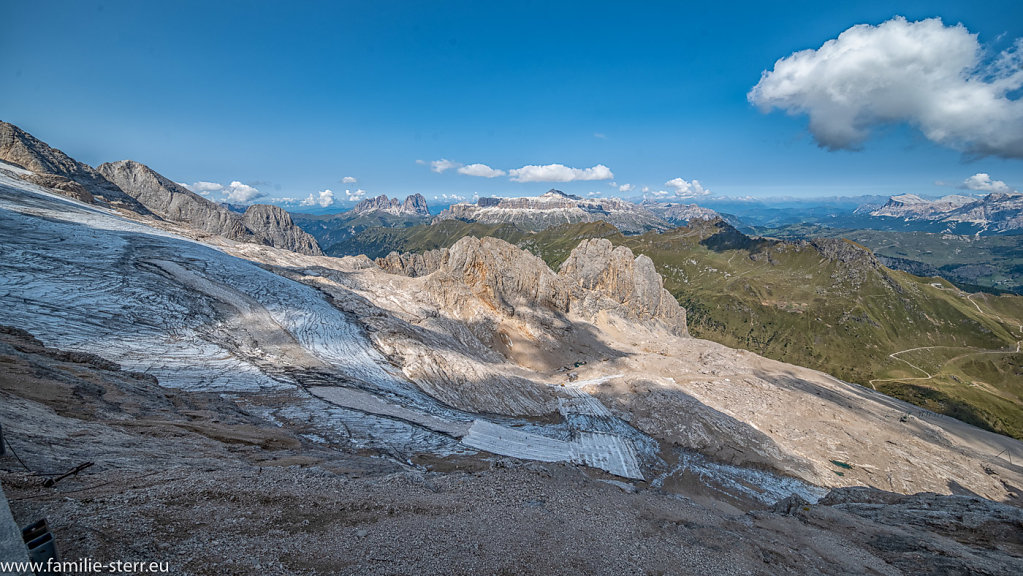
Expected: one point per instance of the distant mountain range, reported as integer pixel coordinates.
(994, 213)
(334, 231)
(414, 205)
(132, 186)
(555, 208)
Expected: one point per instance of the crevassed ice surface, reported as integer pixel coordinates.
(80, 278)
(83, 278)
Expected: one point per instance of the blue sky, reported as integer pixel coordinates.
(289, 99)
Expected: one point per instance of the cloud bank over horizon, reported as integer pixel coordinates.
(933, 77)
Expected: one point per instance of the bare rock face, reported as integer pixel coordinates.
(58, 171)
(506, 276)
(633, 282)
(679, 214)
(272, 225)
(554, 209)
(67, 187)
(266, 225)
(997, 212)
(411, 264)
(172, 202)
(414, 205)
(596, 277)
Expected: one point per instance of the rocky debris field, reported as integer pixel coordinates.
(193, 480)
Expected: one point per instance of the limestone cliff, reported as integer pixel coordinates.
(595, 278)
(272, 225)
(629, 280)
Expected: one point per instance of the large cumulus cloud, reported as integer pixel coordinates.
(934, 77)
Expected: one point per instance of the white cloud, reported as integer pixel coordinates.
(481, 170)
(626, 188)
(559, 173)
(684, 189)
(931, 76)
(348, 180)
(443, 164)
(239, 193)
(355, 196)
(323, 199)
(983, 183)
(450, 197)
(203, 188)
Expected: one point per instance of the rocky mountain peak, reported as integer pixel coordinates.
(596, 277)
(554, 208)
(268, 225)
(54, 169)
(555, 193)
(629, 280)
(414, 205)
(273, 226)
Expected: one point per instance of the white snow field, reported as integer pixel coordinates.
(84, 278)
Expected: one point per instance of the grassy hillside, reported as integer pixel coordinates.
(825, 304)
(986, 262)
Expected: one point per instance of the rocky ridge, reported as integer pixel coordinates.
(261, 223)
(997, 212)
(54, 169)
(554, 208)
(679, 214)
(171, 201)
(273, 226)
(414, 205)
(595, 278)
(135, 187)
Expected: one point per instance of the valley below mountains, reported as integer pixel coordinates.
(470, 397)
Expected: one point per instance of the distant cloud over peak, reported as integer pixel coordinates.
(481, 170)
(925, 74)
(323, 199)
(348, 180)
(442, 165)
(560, 173)
(355, 196)
(687, 189)
(982, 182)
(239, 193)
(203, 188)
